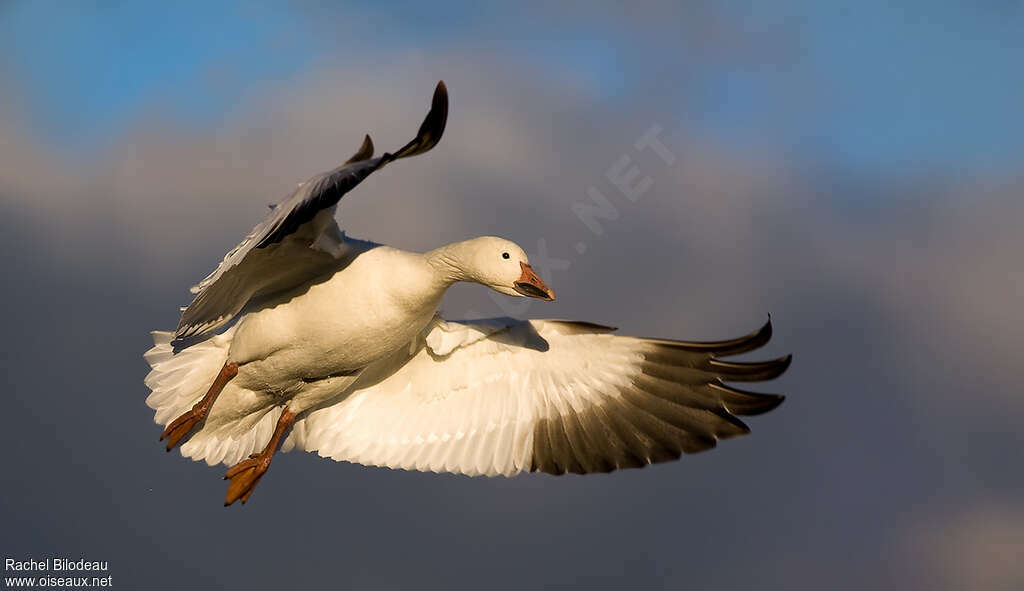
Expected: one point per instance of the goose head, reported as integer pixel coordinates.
(500, 264)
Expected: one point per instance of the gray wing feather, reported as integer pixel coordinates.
(278, 254)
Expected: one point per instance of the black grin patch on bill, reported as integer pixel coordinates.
(531, 290)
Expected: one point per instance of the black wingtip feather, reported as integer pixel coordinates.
(744, 402)
(738, 371)
(735, 346)
(431, 129)
(583, 325)
(436, 120)
(365, 151)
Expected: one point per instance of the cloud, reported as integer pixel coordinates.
(974, 547)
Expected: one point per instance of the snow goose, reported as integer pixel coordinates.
(336, 349)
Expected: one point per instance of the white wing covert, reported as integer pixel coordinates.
(503, 396)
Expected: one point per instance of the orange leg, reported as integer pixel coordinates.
(246, 474)
(181, 426)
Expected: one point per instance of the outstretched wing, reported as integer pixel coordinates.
(299, 240)
(504, 397)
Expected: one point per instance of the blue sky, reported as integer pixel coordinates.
(874, 84)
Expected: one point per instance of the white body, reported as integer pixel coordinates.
(376, 304)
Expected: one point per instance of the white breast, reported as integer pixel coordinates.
(376, 304)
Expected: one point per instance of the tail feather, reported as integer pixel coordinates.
(179, 379)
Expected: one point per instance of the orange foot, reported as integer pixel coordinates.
(245, 475)
(181, 426)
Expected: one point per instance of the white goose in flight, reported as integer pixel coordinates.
(338, 349)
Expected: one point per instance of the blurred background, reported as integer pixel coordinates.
(853, 171)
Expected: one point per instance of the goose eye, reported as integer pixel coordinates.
(504, 255)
